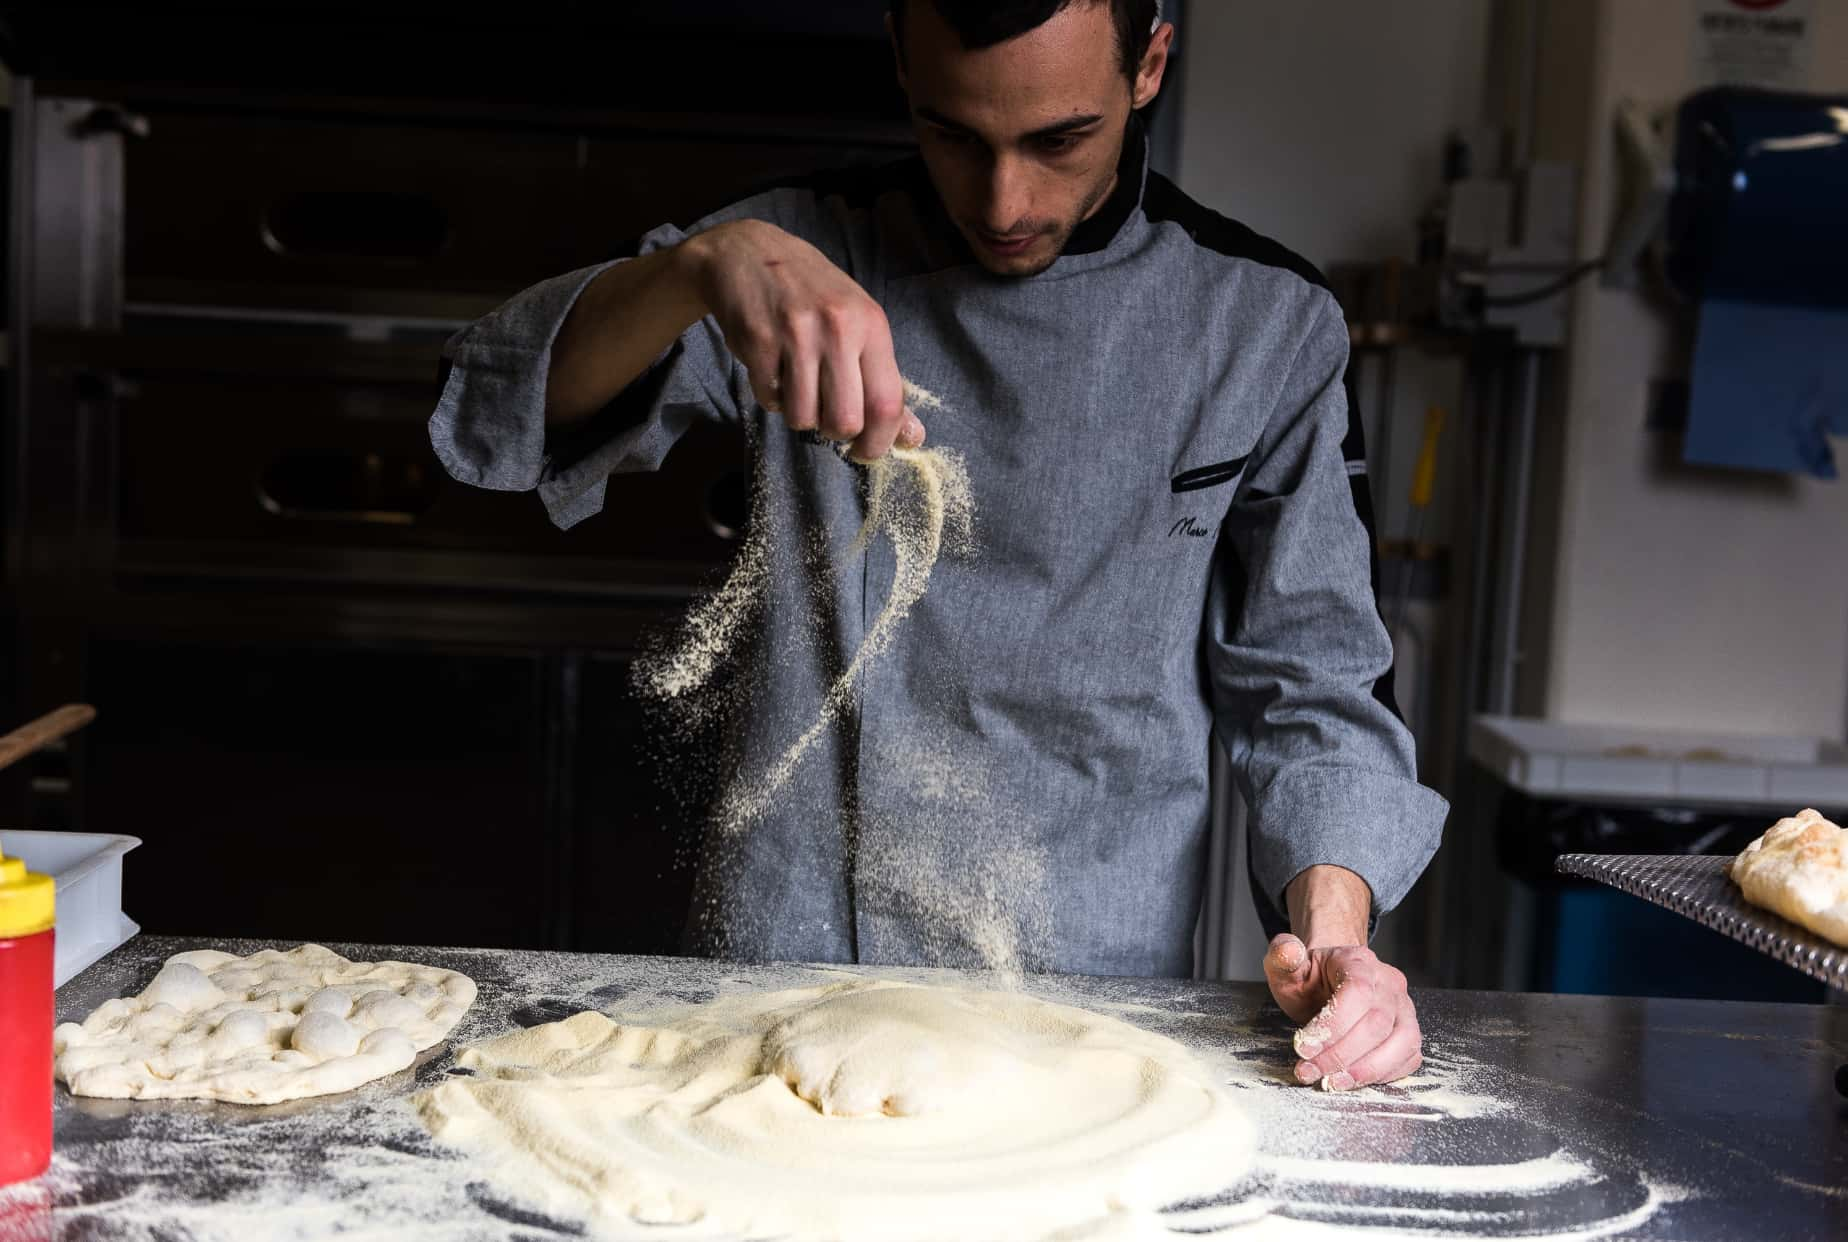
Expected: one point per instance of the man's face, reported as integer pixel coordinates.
(1022, 139)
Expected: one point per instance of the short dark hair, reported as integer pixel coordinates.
(984, 23)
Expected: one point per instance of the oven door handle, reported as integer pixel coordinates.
(111, 119)
(362, 487)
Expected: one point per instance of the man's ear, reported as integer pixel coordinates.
(1154, 65)
(898, 56)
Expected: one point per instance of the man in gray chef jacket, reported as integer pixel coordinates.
(1173, 527)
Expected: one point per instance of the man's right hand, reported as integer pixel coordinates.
(817, 348)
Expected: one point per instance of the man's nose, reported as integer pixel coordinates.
(1009, 196)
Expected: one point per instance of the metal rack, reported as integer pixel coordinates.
(1700, 887)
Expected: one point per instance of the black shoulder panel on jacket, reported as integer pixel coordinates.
(1162, 201)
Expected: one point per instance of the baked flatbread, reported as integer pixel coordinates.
(1799, 869)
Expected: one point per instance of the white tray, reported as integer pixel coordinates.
(1618, 764)
(87, 868)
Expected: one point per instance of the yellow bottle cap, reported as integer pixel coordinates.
(27, 900)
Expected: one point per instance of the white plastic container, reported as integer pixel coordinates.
(87, 868)
(1618, 764)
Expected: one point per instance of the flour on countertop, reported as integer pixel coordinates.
(362, 1162)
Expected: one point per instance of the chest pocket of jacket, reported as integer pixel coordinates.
(1203, 477)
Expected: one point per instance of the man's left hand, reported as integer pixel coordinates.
(1358, 1023)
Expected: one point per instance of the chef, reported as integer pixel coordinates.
(1172, 525)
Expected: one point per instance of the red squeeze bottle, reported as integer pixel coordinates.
(26, 916)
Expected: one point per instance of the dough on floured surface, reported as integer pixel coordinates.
(1799, 869)
(867, 1109)
(262, 1029)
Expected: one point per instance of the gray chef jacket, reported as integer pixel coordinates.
(1172, 536)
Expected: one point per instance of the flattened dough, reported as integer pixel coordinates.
(866, 1109)
(262, 1029)
(1799, 869)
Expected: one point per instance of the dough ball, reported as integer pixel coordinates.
(337, 1001)
(186, 988)
(389, 1045)
(242, 1028)
(380, 1008)
(325, 1036)
(900, 1052)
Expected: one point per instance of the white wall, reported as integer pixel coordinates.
(1682, 597)
(1322, 122)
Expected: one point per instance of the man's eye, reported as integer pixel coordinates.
(1056, 144)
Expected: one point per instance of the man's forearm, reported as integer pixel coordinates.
(621, 323)
(1329, 906)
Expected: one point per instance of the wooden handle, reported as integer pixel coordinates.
(45, 730)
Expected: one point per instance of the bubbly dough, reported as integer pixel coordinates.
(261, 1029)
(183, 986)
(1799, 869)
(905, 1052)
(323, 1036)
(867, 1109)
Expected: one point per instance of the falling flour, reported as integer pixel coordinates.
(920, 511)
(919, 499)
(987, 910)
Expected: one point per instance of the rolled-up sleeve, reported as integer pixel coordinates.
(489, 427)
(1299, 660)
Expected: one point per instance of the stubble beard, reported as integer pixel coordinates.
(1024, 268)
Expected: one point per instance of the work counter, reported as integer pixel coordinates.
(1535, 1114)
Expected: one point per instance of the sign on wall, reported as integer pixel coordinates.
(1766, 43)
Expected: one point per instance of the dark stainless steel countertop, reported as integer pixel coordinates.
(1536, 1114)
